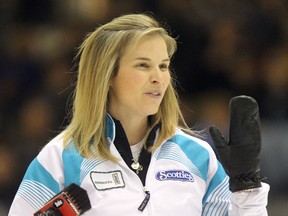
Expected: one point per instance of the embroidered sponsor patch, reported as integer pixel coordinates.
(174, 175)
(107, 180)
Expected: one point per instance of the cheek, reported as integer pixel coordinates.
(167, 80)
(128, 84)
(133, 82)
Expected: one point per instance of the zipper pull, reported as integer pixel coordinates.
(144, 202)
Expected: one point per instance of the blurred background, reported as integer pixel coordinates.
(225, 48)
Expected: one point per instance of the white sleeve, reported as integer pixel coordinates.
(42, 181)
(20, 207)
(250, 203)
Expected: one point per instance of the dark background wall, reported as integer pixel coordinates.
(225, 48)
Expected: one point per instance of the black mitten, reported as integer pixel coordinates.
(240, 156)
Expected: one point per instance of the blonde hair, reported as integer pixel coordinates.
(99, 61)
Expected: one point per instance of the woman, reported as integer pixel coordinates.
(124, 145)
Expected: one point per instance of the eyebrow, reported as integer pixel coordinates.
(147, 59)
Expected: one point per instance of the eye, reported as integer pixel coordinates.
(143, 65)
(163, 67)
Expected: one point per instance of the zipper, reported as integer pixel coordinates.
(147, 195)
(145, 201)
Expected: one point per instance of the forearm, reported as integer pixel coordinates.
(250, 203)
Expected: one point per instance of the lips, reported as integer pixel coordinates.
(154, 94)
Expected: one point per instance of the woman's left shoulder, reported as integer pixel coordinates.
(191, 139)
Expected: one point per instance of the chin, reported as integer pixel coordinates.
(152, 112)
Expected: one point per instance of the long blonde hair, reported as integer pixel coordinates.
(99, 57)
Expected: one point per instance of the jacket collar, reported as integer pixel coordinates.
(110, 128)
(116, 133)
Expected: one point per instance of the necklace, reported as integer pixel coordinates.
(135, 150)
(136, 166)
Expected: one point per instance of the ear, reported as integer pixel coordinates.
(110, 83)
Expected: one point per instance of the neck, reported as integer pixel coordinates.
(135, 129)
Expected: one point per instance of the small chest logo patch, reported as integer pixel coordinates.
(174, 175)
(107, 180)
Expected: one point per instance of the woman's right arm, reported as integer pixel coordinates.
(42, 181)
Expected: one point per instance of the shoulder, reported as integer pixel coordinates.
(53, 148)
(190, 142)
(194, 153)
(50, 158)
(56, 154)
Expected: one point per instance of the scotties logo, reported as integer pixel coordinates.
(174, 175)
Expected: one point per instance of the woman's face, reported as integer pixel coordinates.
(142, 79)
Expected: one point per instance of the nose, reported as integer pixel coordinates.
(156, 76)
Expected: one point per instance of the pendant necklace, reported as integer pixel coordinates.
(136, 166)
(135, 150)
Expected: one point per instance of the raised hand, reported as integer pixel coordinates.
(240, 155)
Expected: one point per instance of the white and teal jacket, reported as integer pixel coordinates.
(183, 177)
